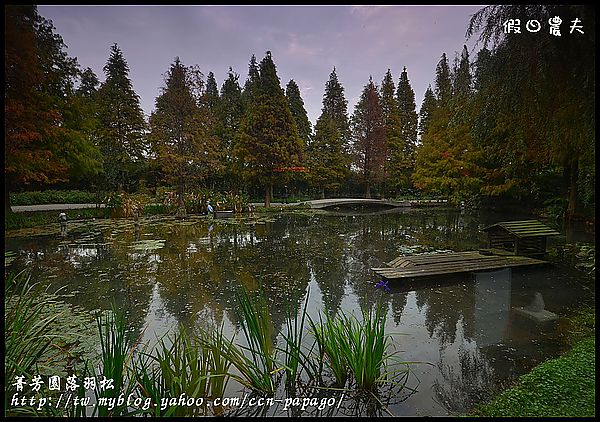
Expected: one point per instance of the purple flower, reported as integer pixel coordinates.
(384, 284)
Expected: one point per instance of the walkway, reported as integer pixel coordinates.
(334, 202)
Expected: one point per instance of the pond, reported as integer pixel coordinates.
(463, 329)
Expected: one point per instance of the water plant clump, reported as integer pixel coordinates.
(201, 362)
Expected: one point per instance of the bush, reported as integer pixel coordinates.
(24, 220)
(53, 197)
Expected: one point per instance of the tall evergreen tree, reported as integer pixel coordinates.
(89, 84)
(230, 113)
(211, 93)
(329, 153)
(408, 129)
(251, 81)
(122, 123)
(42, 142)
(427, 108)
(368, 130)
(180, 130)
(269, 138)
(542, 119)
(462, 86)
(446, 158)
(443, 82)
(292, 92)
(335, 107)
(393, 134)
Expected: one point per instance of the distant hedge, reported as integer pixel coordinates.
(54, 197)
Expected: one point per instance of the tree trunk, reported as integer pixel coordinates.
(368, 191)
(7, 207)
(268, 195)
(572, 204)
(322, 193)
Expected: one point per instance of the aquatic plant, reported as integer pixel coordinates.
(114, 342)
(27, 335)
(295, 359)
(356, 350)
(258, 370)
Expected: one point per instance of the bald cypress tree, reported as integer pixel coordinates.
(230, 112)
(443, 82)
(211, 93)
(391, 119)
(268, 135)
(368, 131)
(427, 108)
(329, 153)
(121, 122)
(180, 129)
(408, 131)
(292, 92)
(251, 81)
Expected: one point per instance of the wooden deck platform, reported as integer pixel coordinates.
(447, 263)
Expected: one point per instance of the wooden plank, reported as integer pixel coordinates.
(464, 266)
(392, 273)
(437, 264)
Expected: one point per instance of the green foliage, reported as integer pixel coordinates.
(53, 197)
(556, 208)
(329, 153)
(327, 159)
(563, 387)
(121, 130)
(115, 342)
(229, 115)
(292, 93)
(356, 350)
(268, 133)
(182, 129)
(402, 149)
(22, 220)
(368, 130)
(43, 336)
(45, 133)
(123, 205)
(542, 114)
(426, 110)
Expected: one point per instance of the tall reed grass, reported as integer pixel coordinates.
(27, 336)
(351, 351)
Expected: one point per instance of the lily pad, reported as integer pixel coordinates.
(147, 245)
(9, 256)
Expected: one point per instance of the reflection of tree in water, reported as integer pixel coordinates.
(462, 388)
(398, 305)
(268, 259)
(328, 244)
(445, 307)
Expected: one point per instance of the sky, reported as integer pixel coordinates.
(306, 43)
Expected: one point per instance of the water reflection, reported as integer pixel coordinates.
(165, 272)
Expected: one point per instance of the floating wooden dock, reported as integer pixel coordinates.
(447, 263)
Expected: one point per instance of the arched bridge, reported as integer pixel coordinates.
(336, 202)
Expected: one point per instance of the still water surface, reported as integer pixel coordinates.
(464, 327)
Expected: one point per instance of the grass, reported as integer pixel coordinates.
(564, 386)
(356, 350)
(114, 342)
(23, 220)
(27, 334)
(259, 368)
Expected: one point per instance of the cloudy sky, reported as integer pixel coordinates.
(306, 42)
